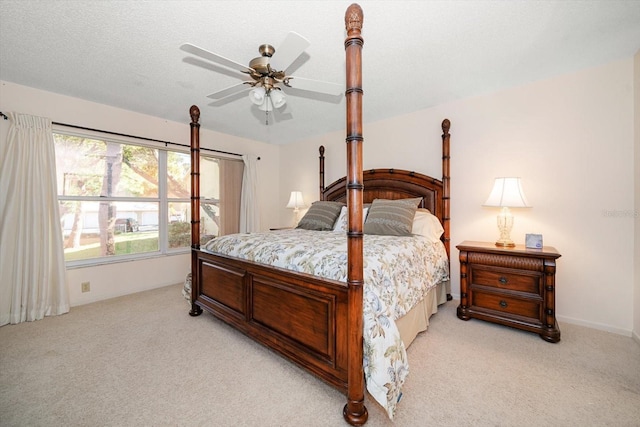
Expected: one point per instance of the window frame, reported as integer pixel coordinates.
(162, 200)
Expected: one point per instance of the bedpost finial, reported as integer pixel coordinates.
(446, 124)
(194, 112)
(353, 18)
(321, 150)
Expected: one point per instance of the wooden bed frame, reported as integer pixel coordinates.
(325, 334)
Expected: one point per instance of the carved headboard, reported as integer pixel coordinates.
(401, 184)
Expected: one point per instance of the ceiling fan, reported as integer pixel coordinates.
(268, 73)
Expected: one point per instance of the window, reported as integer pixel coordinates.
(122, 201)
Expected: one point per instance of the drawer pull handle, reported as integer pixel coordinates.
(503, 303)
(503, 280)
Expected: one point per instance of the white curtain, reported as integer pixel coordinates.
(32, 270)
(249, 215)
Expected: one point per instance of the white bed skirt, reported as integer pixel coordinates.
(417, 320)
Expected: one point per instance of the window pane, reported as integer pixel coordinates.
(179, 225)
(209, 221)
(178, 175)
(104, 229)
(209, 178)
(89, 167)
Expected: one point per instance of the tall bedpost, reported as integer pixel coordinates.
(446, 191)
(194, 111)
(321, 150)
(355, 413)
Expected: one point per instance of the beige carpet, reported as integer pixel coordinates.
(136, 361)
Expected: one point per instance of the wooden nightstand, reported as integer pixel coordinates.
(510, 286)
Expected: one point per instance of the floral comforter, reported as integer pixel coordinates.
(398, 272)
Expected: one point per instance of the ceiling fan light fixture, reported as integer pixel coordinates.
(267, 105)
(277, 98)
(258, 95)
(267, 100)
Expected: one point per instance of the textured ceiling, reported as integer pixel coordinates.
(417, 54)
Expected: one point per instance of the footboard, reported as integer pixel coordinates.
(302, 317)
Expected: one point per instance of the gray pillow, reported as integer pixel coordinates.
(391, 217)
(321, 216)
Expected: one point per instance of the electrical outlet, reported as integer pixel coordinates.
(86, 286)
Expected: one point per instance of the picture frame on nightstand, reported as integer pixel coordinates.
(533, 241)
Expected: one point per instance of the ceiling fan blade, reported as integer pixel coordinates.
(292, 47)
(214, 57)
(329, 88)
(230, 98)
(229, 91)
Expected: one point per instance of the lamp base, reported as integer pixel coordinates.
(505, 243)
(296, 217)
(505, 223)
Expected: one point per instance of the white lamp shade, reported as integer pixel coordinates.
(257, 95)
(267, 101)
(295, 200)
(277, 98)
(507, 192)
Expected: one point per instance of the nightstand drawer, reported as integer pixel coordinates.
(522, 282)
(505, 304)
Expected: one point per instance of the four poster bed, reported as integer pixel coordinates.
(318, 319)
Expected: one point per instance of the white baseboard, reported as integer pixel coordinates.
(594, 325)
(585, 323)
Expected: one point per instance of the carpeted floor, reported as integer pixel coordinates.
(141, 360)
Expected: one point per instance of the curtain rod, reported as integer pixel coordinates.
(4, 116)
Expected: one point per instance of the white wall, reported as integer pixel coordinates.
(636, 230)
(570, 138)
(113, 280)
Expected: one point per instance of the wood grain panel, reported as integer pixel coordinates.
(304, 317)
(225, 285)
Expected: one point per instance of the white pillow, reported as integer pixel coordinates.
(428, 225)
(341, 223)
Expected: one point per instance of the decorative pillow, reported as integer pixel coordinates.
(321, 216)
(428, 225)
(391, 217)
(341, 222)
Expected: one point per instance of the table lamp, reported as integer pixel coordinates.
(506, 193)
(296, 202)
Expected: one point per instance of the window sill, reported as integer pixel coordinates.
(72, 265)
